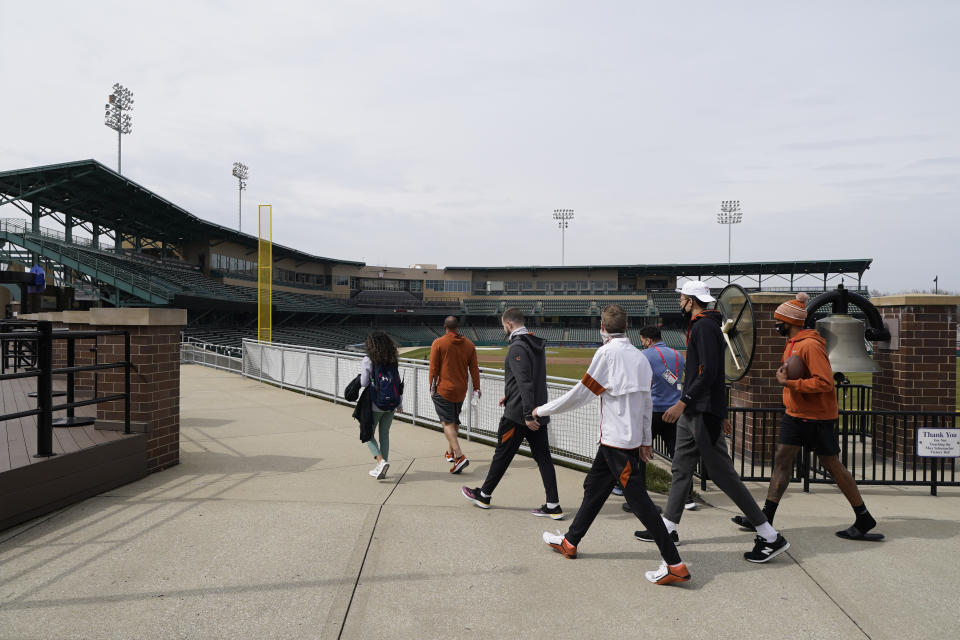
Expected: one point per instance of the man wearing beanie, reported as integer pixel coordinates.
(699, 415)
(811, 412)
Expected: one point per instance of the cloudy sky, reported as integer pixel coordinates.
(447, 132)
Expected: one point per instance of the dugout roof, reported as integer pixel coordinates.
(88, 191)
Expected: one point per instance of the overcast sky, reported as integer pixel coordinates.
(447, 132)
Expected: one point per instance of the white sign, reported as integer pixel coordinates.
(938, 443)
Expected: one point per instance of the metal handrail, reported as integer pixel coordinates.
(44, 337)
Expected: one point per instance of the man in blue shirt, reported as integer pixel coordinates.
(667, 365)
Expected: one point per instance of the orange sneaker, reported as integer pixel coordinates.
(459, 464)
(667, 574)
(559, 544)
(448, 456)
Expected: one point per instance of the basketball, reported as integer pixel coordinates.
(795, 368)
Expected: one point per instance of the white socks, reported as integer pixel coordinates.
(767, 532)
(485, 495)
(671, 526)
(550, 505)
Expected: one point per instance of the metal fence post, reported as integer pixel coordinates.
(306, 375)
(45, 390)
(416, 393)
(336, 378)
(283, 362)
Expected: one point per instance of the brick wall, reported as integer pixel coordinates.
(920, 374)
(154, 387)
(759, 389)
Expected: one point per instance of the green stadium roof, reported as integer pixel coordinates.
(91, 192)
(857, 265)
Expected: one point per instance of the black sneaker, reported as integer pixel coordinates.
(546, 512)
(475, 496)
(646, 536)
(764, 551)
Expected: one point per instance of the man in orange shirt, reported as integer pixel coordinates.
(451, 357)
(811, 412)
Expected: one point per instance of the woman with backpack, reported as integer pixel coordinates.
(381, 374)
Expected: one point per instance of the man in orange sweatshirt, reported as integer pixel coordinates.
(452, 356)
(811, 413)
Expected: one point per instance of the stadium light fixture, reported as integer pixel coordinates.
(563, 218)
(116, 115)
(240, 172)
(730, 214)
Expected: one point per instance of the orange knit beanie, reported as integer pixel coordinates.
(793, 311)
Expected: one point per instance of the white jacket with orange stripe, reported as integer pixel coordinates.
(621, 376)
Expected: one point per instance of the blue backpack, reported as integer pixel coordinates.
(387, 387)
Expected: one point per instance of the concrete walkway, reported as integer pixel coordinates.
(271, 528)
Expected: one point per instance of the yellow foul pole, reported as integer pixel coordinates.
(265, 273)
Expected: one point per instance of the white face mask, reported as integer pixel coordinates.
(606, 337)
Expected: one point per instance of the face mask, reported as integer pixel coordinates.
(606, 337)
(782, 329)
(687, 309)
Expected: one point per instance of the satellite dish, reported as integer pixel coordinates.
(739, 331)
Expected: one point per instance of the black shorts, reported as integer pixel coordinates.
(447, 411)
(817, 435)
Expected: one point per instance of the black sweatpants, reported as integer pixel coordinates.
(510, 436)
(624, 465)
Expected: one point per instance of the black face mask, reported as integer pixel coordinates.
(782, 329)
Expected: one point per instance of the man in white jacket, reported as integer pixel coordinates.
(621, 376)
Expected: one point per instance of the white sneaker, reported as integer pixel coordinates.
(690, 505)
(383, 470)
(375, 472)
(553, 538)
(668, 575)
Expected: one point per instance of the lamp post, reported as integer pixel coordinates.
(563, 218)
(116, 116)
(240, 173)
(730, 214)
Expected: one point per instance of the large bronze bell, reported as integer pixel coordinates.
(845, 344)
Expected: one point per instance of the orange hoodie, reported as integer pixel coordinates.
(450, 357)
(813, 397)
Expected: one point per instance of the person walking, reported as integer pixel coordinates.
(621, 377)
(700, 415)
(525, 387)
(379, 371)
(667, 365)
(811, 413)
(452, 357)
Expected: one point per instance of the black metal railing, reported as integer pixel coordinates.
(42, 337)
(877, 447)
(17, 354)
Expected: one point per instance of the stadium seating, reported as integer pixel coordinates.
(561, 307)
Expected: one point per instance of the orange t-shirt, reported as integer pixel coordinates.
(451, 356)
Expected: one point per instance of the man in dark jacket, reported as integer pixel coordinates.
(525, 388)
(700, 414)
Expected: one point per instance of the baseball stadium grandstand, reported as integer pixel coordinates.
(104, 240)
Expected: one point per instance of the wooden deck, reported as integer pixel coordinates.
(88, 460)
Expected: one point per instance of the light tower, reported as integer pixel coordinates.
(240, 173)
(730, 214)
(117, 116)
(563, 217)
